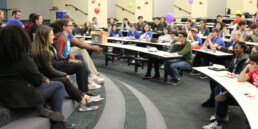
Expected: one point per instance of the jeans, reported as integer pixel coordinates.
(172, 65)
(79, 57)
(53, 93)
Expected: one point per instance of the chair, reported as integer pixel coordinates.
(139, 62)
(110, 56)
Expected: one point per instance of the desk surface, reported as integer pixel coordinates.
(238, 90)
(210, 52)
(158, 53)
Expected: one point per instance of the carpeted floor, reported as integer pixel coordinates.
(178, 105)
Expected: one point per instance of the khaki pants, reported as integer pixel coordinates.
(84, 53)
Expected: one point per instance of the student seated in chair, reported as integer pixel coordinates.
(194, 37)
(203, 30)
(157, 27)
(252, 36)
(165, 37)
(133, 32)
(140, 24)
(156, 61)
(181, 47)
(146, 33)
(114, 32)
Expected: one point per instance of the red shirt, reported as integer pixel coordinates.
(254, 77)
(28, 26)
(236, 22)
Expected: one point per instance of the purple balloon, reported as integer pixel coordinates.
(256, 16)
(170, 17)
(190, 1)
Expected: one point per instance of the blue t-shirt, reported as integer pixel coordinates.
(136, 34)
(67, 48)
(218, 41)
(144, 36)
(113, 34)
(197, 38)
(14, 21)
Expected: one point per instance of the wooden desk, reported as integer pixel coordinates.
(238, 91)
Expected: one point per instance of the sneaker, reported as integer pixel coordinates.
(213, 118)
(147, 77)
(162, 66)
(213, 125)
(221, 97)
(93, 86)
(55, 116)
(94, 101)
(97, 79)
(92, 94)
(203, 76)
(171, 81)
(84, 108)
(156, 77)
(176, 82)
(194, 72)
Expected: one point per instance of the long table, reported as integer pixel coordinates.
(241, 91)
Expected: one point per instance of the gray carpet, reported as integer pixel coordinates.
(178, 105)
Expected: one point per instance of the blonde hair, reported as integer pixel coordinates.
(41, 43)
(239, 34)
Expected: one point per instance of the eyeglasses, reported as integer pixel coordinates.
(180, 36)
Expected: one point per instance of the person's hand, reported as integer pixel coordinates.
(68, 76)
(82, 39)
(209, 37)
(230, 49)
(46, 80)
(97, 49)
(249, 33)
(219, 47)
(74, 61)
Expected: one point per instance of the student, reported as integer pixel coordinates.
(182, 47)
(222, 33)
(157, 25)
(165, 37)
(220, 19)
(114, 32)
(171, 27)
(193, 24)
(125, 25)
(95, 23)
(156, 61)
(252, 36)
(236, 37)
(146, 33)
(140, 23)
(43, 57)
(29, 23)
(37, 21)
(237, 65)
(63, 46)
(187, 27)
(163, 22)
(194, 37)
(15, 20)
(80, 48)
(241, 28)
(2, 24)
(87, 28)
(133, 32)
(203, 30)
(214, 40)
(22, 85)
(179, 29)
(237, 20)
(111, 21)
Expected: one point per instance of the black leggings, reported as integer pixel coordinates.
(72, 91)
(81, 76)
(156, 61)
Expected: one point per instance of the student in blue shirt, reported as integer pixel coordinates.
(146, 33)
(15, 20)
(133, 32)
(114, 32)
(194, 38)
(214, 40)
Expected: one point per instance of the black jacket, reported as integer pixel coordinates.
(19, 85)
(237, 65)
(47, 68)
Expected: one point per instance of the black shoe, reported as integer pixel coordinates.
(91, 94)
(171, 81)
(156, 77)
(208, 103)
(61, 125)
(176, 82)
(55, 116)
(194, 72)
(147, 77)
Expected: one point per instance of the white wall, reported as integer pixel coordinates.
(216, 7)
(31, 6)
(111, 8)
(162, 8)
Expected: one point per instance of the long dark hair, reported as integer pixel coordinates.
(143, 30)
(14, 43)
(244, 46)
(116, 28)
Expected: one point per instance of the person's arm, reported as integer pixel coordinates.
(207, 41)
(137, 35)
(75, 41)
(243, 76)
(128, 34)
(60, 46)
(29, 70)
(48, 68)
(120, 33)
(254, 37)
(186, 49)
